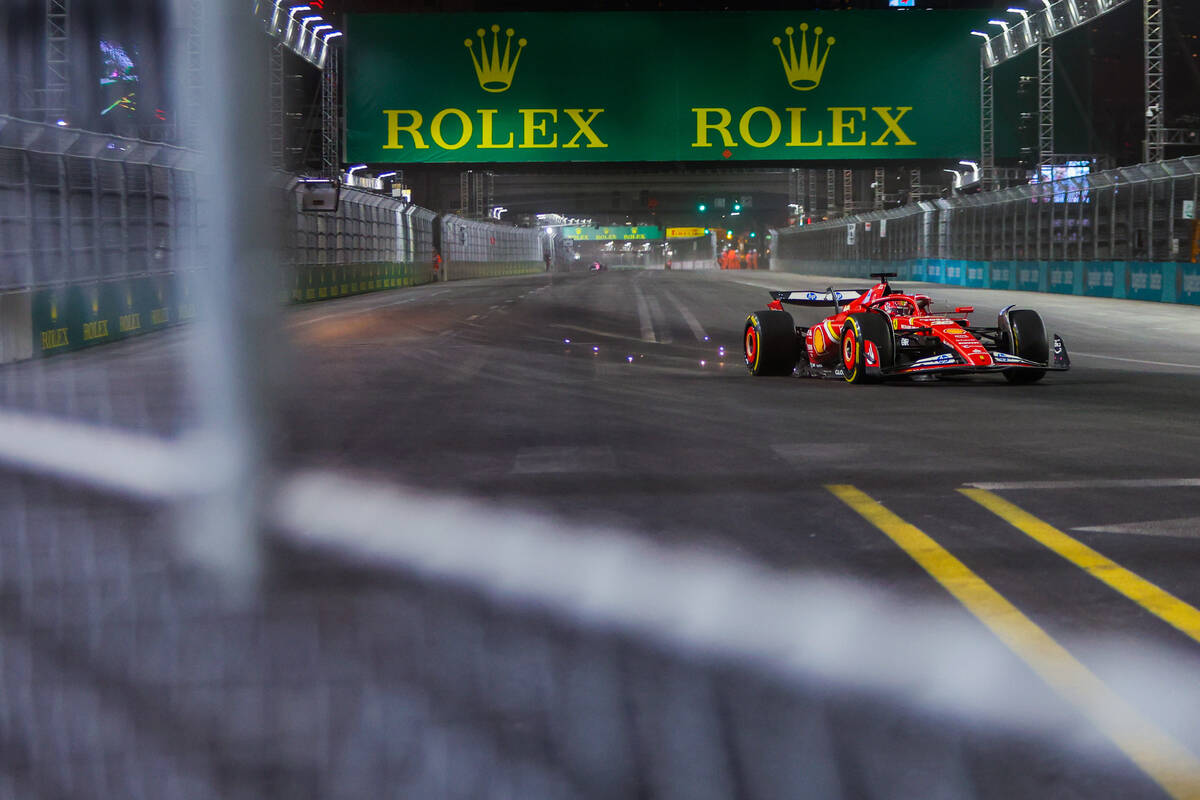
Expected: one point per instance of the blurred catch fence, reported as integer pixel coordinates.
(1130, 232)
(95, 230)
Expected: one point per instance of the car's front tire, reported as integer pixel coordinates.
(769, 343)
(1029, 341)
(858, 331)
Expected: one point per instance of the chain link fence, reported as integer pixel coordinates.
(1144, 213)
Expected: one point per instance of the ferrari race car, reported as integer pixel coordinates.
(882, 332)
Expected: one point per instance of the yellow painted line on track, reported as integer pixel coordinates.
(1158, 602)
(1162, 758)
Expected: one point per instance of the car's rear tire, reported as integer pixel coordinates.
(1029, 341)
(769, 343)
(857, 332)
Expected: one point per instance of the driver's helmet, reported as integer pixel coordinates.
(898, 306)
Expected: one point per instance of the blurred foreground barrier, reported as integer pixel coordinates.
(397, 646)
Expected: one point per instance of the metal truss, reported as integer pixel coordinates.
(475, 192)
(812, 192)
(58, 60)
(308, 37)
(830, 192)
(1045, 50)
(1155, 92)
(880, 180)
(194, 72)
(1058, 18)
(987, 126)
(330, 129)
(275, 105)
(847, 191)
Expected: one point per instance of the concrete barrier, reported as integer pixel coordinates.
(72, 317)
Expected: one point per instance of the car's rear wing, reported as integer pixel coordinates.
(830, 297)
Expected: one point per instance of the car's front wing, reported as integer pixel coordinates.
(949, 363)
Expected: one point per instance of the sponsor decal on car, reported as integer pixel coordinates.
(1008, 358)
(934, 361)
(954, 331)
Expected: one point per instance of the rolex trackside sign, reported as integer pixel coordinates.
(796, 85)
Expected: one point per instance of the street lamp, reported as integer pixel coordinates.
(312, 40)
(1008, 45)
(974, 165)
(1029, 37)
(958, 177)
(325, 45)
(987, 42)
(304, 27)
(292, 20)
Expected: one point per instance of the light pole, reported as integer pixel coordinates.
(974, 165)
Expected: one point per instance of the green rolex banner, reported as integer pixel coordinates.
(734, 86)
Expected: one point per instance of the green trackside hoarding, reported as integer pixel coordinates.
(611, 233)
(592, 87)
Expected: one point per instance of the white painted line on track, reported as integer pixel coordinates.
(1130, 483)
(688, 317)
(349, 312)
(643, 310)
(1135, 360)
(657, 312)
(1188, 528)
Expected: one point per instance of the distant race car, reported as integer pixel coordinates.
(882, 332)
(596, 265)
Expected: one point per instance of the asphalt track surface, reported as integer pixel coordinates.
(620, 398)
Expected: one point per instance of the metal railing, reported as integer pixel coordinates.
(1127, 214)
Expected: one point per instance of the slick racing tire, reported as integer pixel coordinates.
(858, 330)
(1028, 341)
(769, 343)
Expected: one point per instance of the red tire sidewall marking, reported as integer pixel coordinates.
(850, 350)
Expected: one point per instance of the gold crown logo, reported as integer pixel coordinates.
(805, 73)
(495, 75)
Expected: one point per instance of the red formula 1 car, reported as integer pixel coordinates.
(882, 332)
